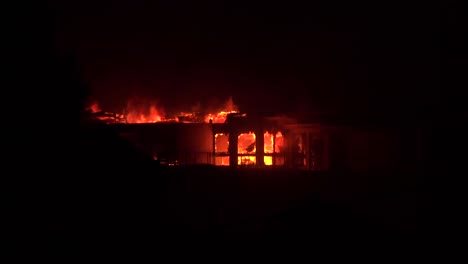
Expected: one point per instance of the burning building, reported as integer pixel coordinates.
(245, 140)
(225, 138)
(239, 141)
(235, 139)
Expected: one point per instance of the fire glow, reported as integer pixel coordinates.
(246, 142)
(247, 149)
(151, 113)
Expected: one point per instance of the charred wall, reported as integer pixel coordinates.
(186, 143)
(363, 149)
(306, 146)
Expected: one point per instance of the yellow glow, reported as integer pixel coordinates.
(268, 142)
(246, 160)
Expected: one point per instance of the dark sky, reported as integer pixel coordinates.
(347, 57)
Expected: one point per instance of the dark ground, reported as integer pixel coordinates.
(98, 196)
(210, 210)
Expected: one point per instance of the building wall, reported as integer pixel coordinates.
(343, 148)
(372, 150)
(188, 143)
(362, 149)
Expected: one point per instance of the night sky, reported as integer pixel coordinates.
(355, 59)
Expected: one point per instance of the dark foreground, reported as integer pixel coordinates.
(208, 209)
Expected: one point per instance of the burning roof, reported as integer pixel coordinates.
(136, 113)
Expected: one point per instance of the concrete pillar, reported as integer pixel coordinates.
(274, 149)
(260, 147)
(233, 140)
(306, 149)
(289, 154)
(324, 138)
(213, 153)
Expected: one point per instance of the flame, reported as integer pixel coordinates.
(222, 146)
(221, 143)
(268, 148)
(141, 115)
(94, 107)
(137, 114)
(268, 142)
(220, 117)
(279, 142)
(246, 143)
(246, 160)
(271, 143)
(138, 111)
(247, 148)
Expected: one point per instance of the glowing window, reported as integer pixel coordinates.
(222, 161)
(221, 143)
(268, 142)
(246, 143)
(246, 160)
(279, 142)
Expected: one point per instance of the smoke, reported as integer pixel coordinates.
(230, 106)
(216, 106)
(197, 107)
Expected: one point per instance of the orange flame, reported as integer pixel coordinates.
(94, 107)
(279, 142)
(268, 142)
(246, 145)
(220, 117)
(151, 116)
(138, 111)
(142, 111)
